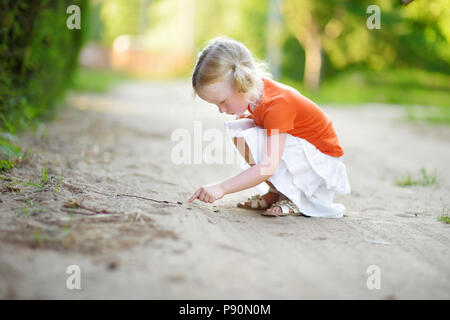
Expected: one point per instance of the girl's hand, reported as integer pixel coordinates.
(208, 193)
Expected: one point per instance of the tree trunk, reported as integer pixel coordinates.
(313, 61)
(300, 18)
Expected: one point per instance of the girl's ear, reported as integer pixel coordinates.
(242, 77)
(236, 89)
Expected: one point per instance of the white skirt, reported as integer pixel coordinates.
(305, 175)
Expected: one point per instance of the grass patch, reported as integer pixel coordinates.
(58, 184)
(31, 209)
(409, 87)
(426, 179)
(40, 185)
(437, 115)
(10, 153)
(97, 80)
(444, 217)
(25, 210)
(39, 238)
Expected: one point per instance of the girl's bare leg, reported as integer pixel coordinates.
(270, 197)
(244, 150)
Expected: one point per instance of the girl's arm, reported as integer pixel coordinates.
(271, 157)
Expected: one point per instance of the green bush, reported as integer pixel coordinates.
(38, 55)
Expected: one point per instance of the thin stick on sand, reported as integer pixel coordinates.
(150, 199)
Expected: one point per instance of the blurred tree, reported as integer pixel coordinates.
(307, 20)
(274, 38)
(416, 35)
(171, 25)
(202, 20)
(332, 35)
(119, 17)
(38, 55)
(96, 27)
(423, 35)
(242, 20)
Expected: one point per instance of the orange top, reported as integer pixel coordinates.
(284, 108)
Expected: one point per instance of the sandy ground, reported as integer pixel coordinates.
(114, 204)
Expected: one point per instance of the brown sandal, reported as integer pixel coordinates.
(257, 202)
(286, 206)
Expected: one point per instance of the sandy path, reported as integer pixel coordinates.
(119, 144)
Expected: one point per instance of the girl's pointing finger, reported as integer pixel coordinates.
(194, 196)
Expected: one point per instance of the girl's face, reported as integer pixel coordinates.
(225, 96)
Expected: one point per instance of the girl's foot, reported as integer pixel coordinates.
(261, 202)
(284, 207)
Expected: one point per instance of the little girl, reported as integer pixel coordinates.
(289, 143)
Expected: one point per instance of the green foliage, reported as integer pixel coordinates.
(425, 180)
(253, 29)
(38, 55)
(10, 153)
(445, 217)
(96, 80)
(157, 19)
(416, 36)
(292, 55)
(39, 185)
(119, 17)
(426, 95)
(412, 36)
(437, 115)
(96, 27)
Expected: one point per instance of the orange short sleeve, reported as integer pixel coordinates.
(279, 117)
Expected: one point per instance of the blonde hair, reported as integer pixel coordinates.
(225, 58)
